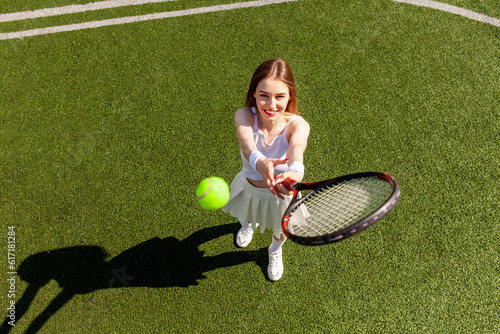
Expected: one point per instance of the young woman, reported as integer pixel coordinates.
(272, 137)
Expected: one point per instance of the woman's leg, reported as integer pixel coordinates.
(275, 268)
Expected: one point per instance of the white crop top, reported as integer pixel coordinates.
(277, 149)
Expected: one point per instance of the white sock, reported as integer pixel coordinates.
(276, 245)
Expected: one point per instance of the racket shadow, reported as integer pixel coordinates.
(157, 263)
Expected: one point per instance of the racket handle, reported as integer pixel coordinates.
(288, 183)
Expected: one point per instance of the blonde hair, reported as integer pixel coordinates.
(277, 69)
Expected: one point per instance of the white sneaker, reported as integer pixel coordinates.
(244, 235)
(275, 268)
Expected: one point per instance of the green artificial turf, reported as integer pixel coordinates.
(107, 132)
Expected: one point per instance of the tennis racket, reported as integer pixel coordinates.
(339, 208)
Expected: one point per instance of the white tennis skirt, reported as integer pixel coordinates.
(247, 202)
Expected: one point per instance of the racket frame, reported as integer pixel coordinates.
(350, 230)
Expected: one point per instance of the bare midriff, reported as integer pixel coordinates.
(257, 183)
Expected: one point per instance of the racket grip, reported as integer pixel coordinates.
(288, 183)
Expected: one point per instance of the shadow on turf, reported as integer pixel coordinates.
(157, 263)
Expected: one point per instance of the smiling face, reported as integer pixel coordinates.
(271, 97)
(272, 70)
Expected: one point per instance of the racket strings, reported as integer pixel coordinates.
(341, 205)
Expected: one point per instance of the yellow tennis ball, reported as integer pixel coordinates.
(212, 193)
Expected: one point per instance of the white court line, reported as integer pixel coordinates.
(454, 10)
(140, 18)
(71, 9)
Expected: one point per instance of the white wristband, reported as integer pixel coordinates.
(297, 166)
(254, 156)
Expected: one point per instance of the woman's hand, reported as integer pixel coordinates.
(266, 168)
(284, 180)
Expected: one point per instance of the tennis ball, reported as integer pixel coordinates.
(212, 193)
